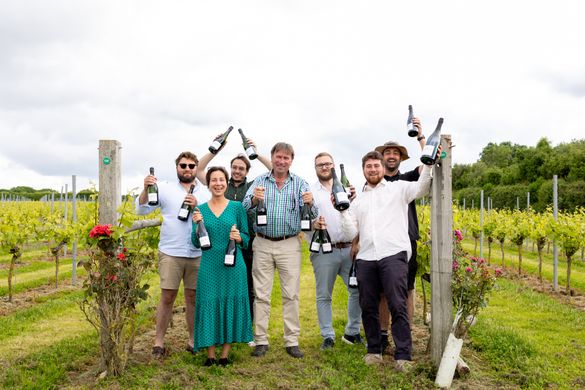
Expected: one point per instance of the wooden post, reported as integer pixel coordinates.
(555, 247)
(74, 220)
(110, 177)
(441, 253)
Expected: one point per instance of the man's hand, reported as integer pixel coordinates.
(320, 223)
(258, 195)
(352, 193)
(190, 200)
(308, 198)
(148, 181)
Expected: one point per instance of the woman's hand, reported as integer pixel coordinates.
(197, 216)
(235, 235)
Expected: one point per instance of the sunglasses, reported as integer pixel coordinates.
(191, 166)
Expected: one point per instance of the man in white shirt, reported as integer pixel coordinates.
(178, 257)
(380, 216)
(326, 266)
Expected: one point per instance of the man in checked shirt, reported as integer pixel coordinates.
(278, 246)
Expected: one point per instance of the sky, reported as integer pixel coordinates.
(162, 77)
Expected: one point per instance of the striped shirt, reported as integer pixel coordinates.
(283, 206)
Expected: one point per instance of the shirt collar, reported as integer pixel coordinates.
(382, 183)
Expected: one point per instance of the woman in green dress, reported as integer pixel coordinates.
(222, 309)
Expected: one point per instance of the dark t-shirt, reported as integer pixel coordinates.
(237, 193)
(412, 217)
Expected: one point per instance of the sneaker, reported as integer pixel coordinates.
(355, 339)
(252, 344)
(260, 350)
(373, 358)
(209, 362)
(328, 343)
(403, 365)
(294, 351)
(158, 352)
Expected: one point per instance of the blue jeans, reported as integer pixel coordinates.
(326, 267)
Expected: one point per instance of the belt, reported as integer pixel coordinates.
(274, 238)
(341, 245)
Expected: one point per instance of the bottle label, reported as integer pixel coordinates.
(250, 151)
(410, 126)
(215, 145)
(229, 260)
(315, 246)
(204, 241)
(261, 220)
(353, 281)
(347, 191)
(327, 247)
(428, 151)
(183, 213)
(153, 197)
(342, 197)
(305, 225)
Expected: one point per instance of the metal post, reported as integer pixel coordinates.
(555, 247)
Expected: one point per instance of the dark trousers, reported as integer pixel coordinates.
(388, 276)
(248, 258)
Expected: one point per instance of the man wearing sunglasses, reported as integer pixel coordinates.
(178, 257)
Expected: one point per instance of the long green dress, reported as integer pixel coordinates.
(222, 308)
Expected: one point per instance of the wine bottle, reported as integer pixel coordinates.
(306, 218)
(152, 191)
(230, 254)
(344, 180)
(341, 200)
(203, 236)
(219, 141)
(412, 130)
(352, 282)
(261, 212)
(250, 150)
(326, 242)
(429, 152)
(315, 242)
(185, 209)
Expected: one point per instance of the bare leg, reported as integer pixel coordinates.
(211, 352)
(190, 312)
(225, 350)
(163, 315)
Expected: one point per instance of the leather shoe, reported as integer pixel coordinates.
(260, 350)
(294, 351)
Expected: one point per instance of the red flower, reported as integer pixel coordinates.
(458, 235)
(124, 249)
(499, 272)
(121, 256)
(113, 278)
(481, 261)
(468, 269)
(455, 265)
(101, 231)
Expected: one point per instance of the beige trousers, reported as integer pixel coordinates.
(285, 256)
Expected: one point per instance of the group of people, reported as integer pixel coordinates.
(231, 304)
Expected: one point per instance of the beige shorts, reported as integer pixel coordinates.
(174, 269)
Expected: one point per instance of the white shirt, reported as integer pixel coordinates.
(380, 216)
(322, 198)
(175, 235)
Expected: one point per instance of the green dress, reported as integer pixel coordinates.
(222, 308)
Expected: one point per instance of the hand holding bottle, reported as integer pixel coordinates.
(320, 223)
(258, 195)
(149, 180)
(235, 234)
(307, 198)
(197, 217)
(352, 192)
(190, 200)
(417, 124)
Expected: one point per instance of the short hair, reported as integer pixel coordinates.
(214, 169)
(244, 159)
(324, 154)
(188, 156)
(373, 155)
(283, 146)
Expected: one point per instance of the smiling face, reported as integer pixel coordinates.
(238, 170)
(217, 183)
(186, 170)
(281, 162)
(323, 167)
(373, 171)
(392, 159)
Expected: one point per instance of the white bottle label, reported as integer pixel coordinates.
(261, 220)
(305, 225)
(315, 246)
(342, 197)
(204, 241)
(229, 260)
(327, 247)
(153, 197)
(215, 145)
(183, 213)
(250, 151)
(352, 281)
(428, 151)
(410, 126)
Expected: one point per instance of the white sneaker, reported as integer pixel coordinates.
(373, 358)
(403, 365)
(252, 344)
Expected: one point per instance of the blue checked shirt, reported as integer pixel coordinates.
(283, 207)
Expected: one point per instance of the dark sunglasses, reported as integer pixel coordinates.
(191, 166)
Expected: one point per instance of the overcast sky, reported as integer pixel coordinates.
(166, 76)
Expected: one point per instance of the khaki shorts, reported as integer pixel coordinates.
(174, 269)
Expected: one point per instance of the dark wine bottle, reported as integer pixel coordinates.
(429, 152)
(203, 236)
(220, 141)
(412, 130)
(250, 150)
(261, 214)
(326, 242)
(344, 180)
(352, 282)
(341, 200)
(230, 254)
(315, 242)
(185, 209)
(152, 191)
(306, 217)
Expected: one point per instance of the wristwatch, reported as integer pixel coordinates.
(420, 137)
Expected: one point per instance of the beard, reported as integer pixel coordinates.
(325, 177)
(185, 179)
(374, 180)
(391, 166)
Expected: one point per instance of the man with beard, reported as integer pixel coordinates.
(178, 257)
(326, 266)
(380, 217)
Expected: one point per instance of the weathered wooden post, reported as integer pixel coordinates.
(441, 253)
(74, 220)
(110, 177)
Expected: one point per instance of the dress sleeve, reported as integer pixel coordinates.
(242, 224)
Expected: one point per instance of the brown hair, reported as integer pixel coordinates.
(373, 155)
(283, 146)
(323, 154)
(213, 169)
(188, 156)
(244, 160)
